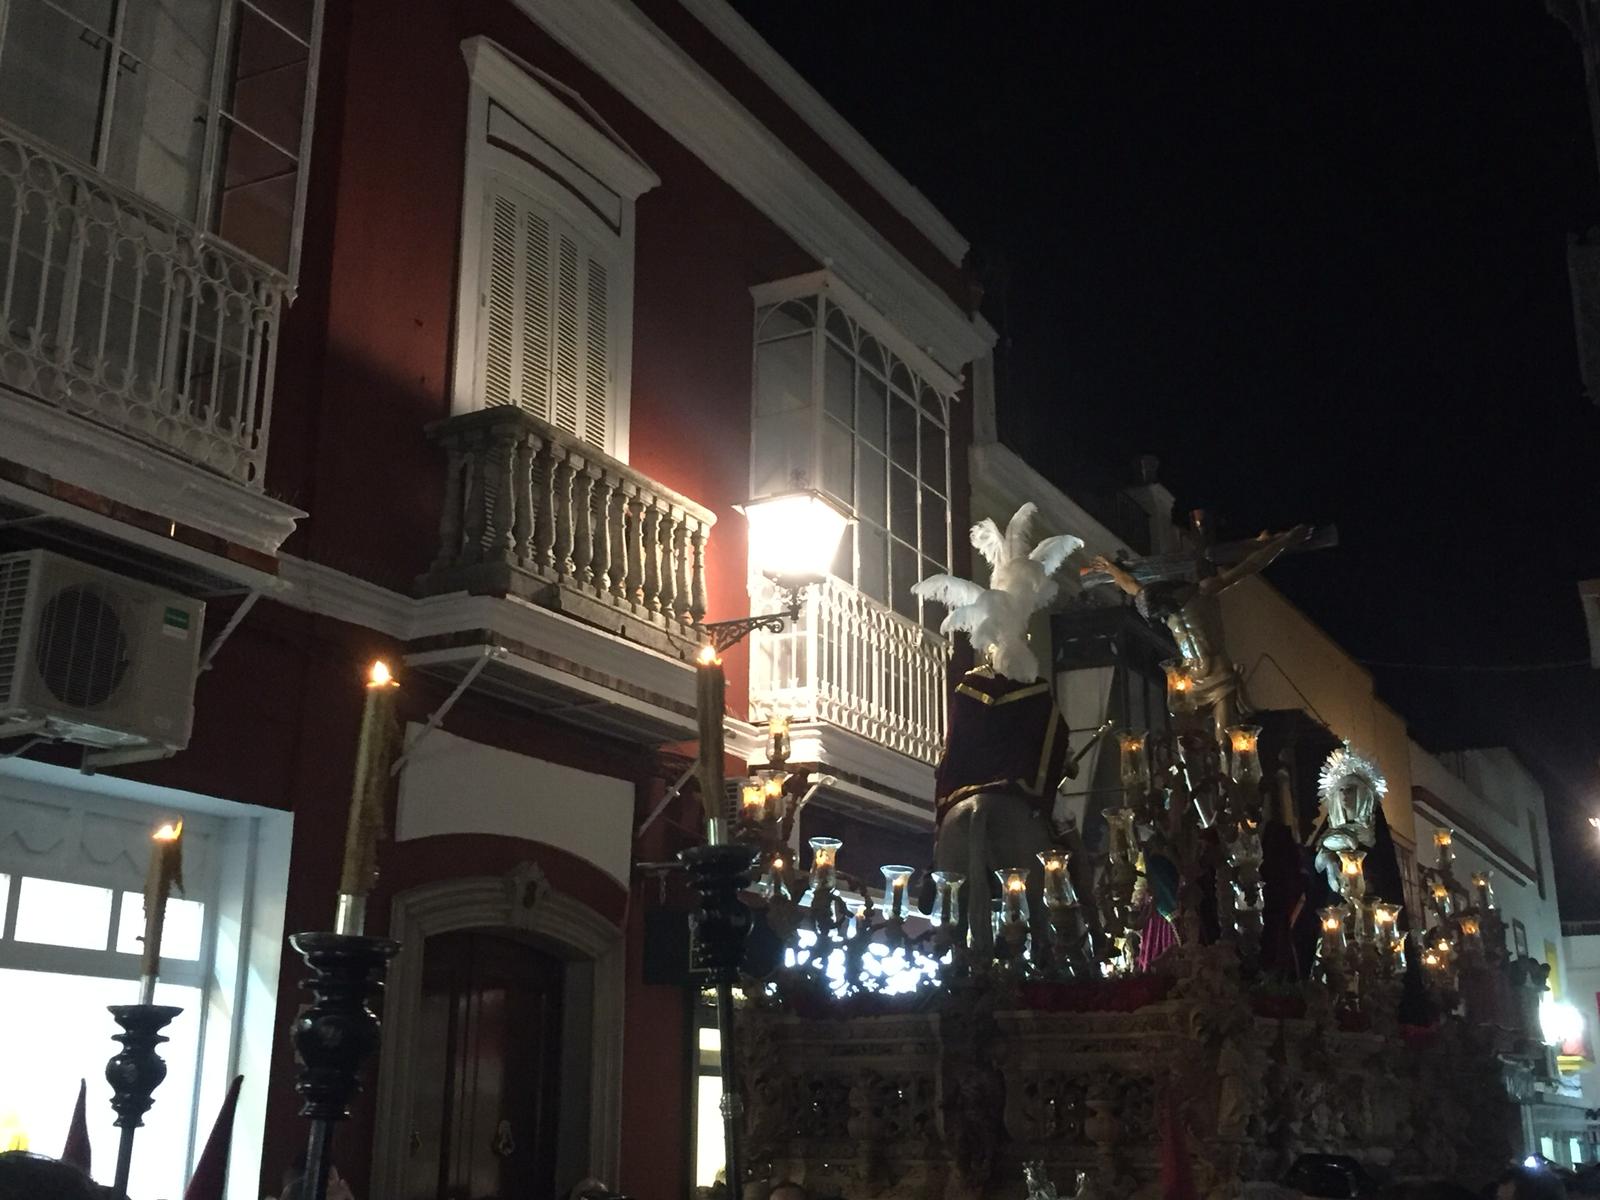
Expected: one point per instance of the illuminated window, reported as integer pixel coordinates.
(545, 316)
(71, 930)
(844, 405)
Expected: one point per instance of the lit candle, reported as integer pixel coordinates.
(368, 799)
(1058, 890)
(1135, 766)
(1242, 740)
(1332, 930)
(166, 872)
(1014, 896)
(1352, 878)
(1443, 841)
(1470, 930)
(752, 804)
(1397, 954)
(1180, 687)
(1484, 889)
(1441, 899)
(709, 685)
(1384, 921)
(895, 881)
(824, 851)
(1119, 834)
(777, 740)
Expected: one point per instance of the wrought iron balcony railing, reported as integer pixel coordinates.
(531, 511)
(122, 313)
(853, 663)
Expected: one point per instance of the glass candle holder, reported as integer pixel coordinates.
(1444, 845)
(752, 804)
(1397, 954)
(1246, 765)
(1443, 902)
(1205, 808)
(1121, 845)
(1483, 889)
(896, 882)
(1058, 889)
(1135, 765)
(947, 898)
(824, 853)
(1180, 686)
(777, 740)
(1470, 930)
(1013, 895)
(1332, 930)
(1385, 921)
(1352, 874)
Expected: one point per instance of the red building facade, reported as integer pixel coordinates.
(571, 280)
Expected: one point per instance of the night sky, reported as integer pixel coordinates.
(1313, 257)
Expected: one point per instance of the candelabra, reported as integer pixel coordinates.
(135, 1072)
(334, 1036)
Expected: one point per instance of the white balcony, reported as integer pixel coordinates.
(851, 663)
(115, 311)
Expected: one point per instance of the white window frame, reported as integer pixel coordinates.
(588, 180)
(825, 285)
(242, 949)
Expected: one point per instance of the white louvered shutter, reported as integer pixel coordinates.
(546, 323)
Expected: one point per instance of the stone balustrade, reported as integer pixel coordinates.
(531, 511)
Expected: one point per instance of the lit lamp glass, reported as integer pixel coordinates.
(946, 897)
(1058, 889)
(1332, 930)
(824, 852)
(1470, 929)
(1385, 921)
(896, 879)
(1352, 874)
(1135, 766)
(1434, 963)
(776, 877)
(1242, 741)
(1180, 686)
(1397, 954)
(752, 804)
(1441, 898)
(1013, 895)
(1120, 845)
(777, 739)
(1483, 889)
(794, 537)
(1444, 844)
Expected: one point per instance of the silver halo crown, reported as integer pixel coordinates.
(1341, 765)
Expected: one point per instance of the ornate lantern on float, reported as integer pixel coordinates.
(1352, 876)
(1011, 920)
(947, 898)
(1180, 687)
(1135, 764)
(1246, 761)
(896, 881)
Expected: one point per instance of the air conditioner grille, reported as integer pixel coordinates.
(14, 572)
(83, 646)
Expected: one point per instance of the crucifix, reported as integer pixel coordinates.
(1179, 592)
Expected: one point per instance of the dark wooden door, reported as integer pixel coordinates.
(486, 1070)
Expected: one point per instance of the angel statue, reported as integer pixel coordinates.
(1006, 749)
(996, 617)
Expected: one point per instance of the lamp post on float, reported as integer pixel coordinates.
(793, 540)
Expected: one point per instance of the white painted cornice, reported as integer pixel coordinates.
(734, 32)
(651, 71)
(1000, 473)
(511, 81)
(82, 453)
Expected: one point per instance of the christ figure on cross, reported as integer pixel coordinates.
(1182, 594)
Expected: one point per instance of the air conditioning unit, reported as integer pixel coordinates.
(91, 657)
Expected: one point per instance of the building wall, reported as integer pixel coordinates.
(1288, 662)
(1581, 955)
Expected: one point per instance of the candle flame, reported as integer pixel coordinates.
(1383, 915)
(1480, 880)
(1440, 891)
(1243, 742)
(707, 656)
(1352, 866)
(777, 864)
(1441, 837)
(1331, 924)
(379, 675)
(1015, 884)
(774, 786)
(169, 832)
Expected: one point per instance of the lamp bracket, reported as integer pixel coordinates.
(724, 635)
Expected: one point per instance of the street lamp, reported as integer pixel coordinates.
(793, 540)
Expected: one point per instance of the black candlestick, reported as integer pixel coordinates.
(335, 1035)
(135, 1072)
(720, 927)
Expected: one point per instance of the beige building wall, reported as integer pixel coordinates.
(1288, 662)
